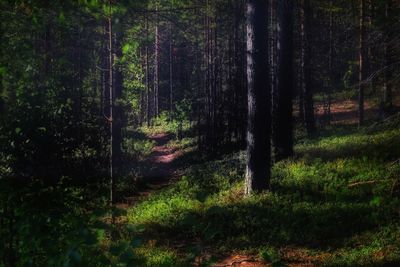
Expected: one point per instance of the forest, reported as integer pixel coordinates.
(199, 133)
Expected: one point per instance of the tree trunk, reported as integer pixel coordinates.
(283, 125)
(331, 84)
(111, 107)
(308, 108)
(171, 86)
(387, 102)
(156, 68)
(148, 111)
(118, 108)
(259, 99)
(362, 65)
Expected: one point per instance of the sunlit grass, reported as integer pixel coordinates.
(338, 196)
(151, 255)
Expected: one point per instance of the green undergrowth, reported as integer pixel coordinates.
(181, 144)
(175, 124)
(339, 198)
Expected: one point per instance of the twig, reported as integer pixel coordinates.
(368, 182)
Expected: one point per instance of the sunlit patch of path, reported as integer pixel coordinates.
(157, 171)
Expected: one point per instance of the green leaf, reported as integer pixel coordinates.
(126, 48)
(17, 130)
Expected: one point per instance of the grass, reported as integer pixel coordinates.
(335, 204)
(163, 124)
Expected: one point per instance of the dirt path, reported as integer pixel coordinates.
(157, 171)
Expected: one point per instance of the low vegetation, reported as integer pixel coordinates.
(337, 204)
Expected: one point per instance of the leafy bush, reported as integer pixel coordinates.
(139, 148)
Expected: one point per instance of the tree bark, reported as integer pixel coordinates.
(156, 68)
(331, 84)
(259, 99)
(118, 108)
(283, 125)
(387, 102)
(308, 108)
(362, 65)
(111, 106)
(171, 85)
(148, 111)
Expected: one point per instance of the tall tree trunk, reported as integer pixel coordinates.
(283, 125)
(156, 67)
(273, 49)
(111, 105)
(387, 102)
(2, 102)
(208, 75)
(118, 108)
(214, 83)
(148, 111)
(171, 85)
(309, 118)
(362, 65)
(258, 171)
(331, 84)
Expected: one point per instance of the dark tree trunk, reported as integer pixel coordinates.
(387, 102)
(118, 109)
(156, 69)
(171, 85)
(283, 107)
(259, 99)
(2, 102)
(331, 84)
(273, 49)
(105, 76)
(362, 64)
(308, 103)
(111, 107)
(148, 111)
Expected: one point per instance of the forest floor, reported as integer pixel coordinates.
(336, 203)
(156, 171)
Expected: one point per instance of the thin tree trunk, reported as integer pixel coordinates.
(283, 125)
(118, 109)
(330, 63)
(258, 171)
(309, 118)
(111, 106)
(362, 65)
(148, 111)
(387, 102)
(156, 68)
(171, 86)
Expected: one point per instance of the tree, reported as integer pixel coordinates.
(306, 90)
(389, 48)
(156, 66)
(362, 64)
(283, 97)
(111, 103)
(171, 85)
(259, 99)
(147, 73)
